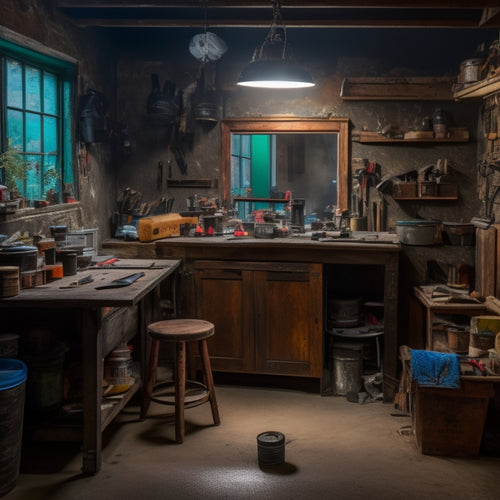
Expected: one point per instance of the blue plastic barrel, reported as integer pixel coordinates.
(13, 374)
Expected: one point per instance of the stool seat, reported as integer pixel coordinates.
(184, 330)
(180, 332)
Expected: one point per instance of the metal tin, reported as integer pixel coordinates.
(416, 232)
(470, 71)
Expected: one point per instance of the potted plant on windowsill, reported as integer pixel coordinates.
(14, 169)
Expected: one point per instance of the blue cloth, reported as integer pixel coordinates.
(437, 369)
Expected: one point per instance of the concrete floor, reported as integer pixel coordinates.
(334, 449)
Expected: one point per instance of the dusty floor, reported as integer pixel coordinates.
(334, 449)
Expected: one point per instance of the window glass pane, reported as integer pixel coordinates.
(14, 84)
(49, 94)
(245, 145)
(49, 134)
(50, 175)
(33, 133)
(15, 128)
(235, 144)
(32, 76)
(33, 178)
(246, 173)
(235, 174)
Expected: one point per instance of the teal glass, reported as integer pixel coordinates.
(33, 88)
(33, 178)
(50, 94)
(49, 134)
(33, 133)
(14, 84)
(15, 129)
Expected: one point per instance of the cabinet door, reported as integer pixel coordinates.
(224, 297)
(288, 326)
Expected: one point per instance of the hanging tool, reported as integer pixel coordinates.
(159, 178)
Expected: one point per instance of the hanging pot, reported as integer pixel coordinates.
(207, 109)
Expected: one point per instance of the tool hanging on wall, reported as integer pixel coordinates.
(159, 178)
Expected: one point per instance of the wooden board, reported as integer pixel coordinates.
(398, 88)
(486, 249)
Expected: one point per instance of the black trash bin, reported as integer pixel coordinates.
(13, 373)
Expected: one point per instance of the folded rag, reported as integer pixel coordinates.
(437, 369)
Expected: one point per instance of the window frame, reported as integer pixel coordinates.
(31, 53)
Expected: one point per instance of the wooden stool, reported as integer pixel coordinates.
(180, 331)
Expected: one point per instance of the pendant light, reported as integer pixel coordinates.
(271, 66)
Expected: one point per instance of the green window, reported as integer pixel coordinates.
(36, 126)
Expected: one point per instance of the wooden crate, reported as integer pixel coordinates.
(450, 422)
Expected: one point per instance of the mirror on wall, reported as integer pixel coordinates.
(264, 158)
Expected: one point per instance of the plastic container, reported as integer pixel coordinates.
(13, 373)
(416, 232)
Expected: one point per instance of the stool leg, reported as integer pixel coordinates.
(180, 389)
(147, 386)
(209, 379)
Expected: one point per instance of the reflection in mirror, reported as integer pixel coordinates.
(267, 166)
(268, 160)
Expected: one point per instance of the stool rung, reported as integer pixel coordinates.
(196, 393)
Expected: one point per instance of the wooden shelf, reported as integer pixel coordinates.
(259, 200)
(398, 89)
(366, 137)
(192, 183)
(425, 198)
(478, 90)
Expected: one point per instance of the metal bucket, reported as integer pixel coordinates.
(347, 371)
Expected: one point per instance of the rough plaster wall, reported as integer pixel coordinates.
(36, 19)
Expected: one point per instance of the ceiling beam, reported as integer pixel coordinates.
(235, 4)
(248, 23)
(490, 17)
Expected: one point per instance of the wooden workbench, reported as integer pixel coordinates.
(90, 305)
(239, 268)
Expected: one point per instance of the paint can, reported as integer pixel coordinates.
(271, 448)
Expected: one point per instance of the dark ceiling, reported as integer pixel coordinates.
(296, 13)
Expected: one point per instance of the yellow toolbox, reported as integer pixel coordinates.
(162, 226)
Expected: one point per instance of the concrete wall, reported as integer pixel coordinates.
(94, 166)
(120, 62)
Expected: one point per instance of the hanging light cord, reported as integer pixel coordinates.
(273, 35)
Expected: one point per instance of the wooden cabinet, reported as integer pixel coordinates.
(268, 315)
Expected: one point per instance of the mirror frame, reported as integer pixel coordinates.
(338, 126)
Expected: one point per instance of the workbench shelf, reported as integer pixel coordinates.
(374, 137)
(425, 198)
(248, 199)
(479, 90)
(397, 89)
